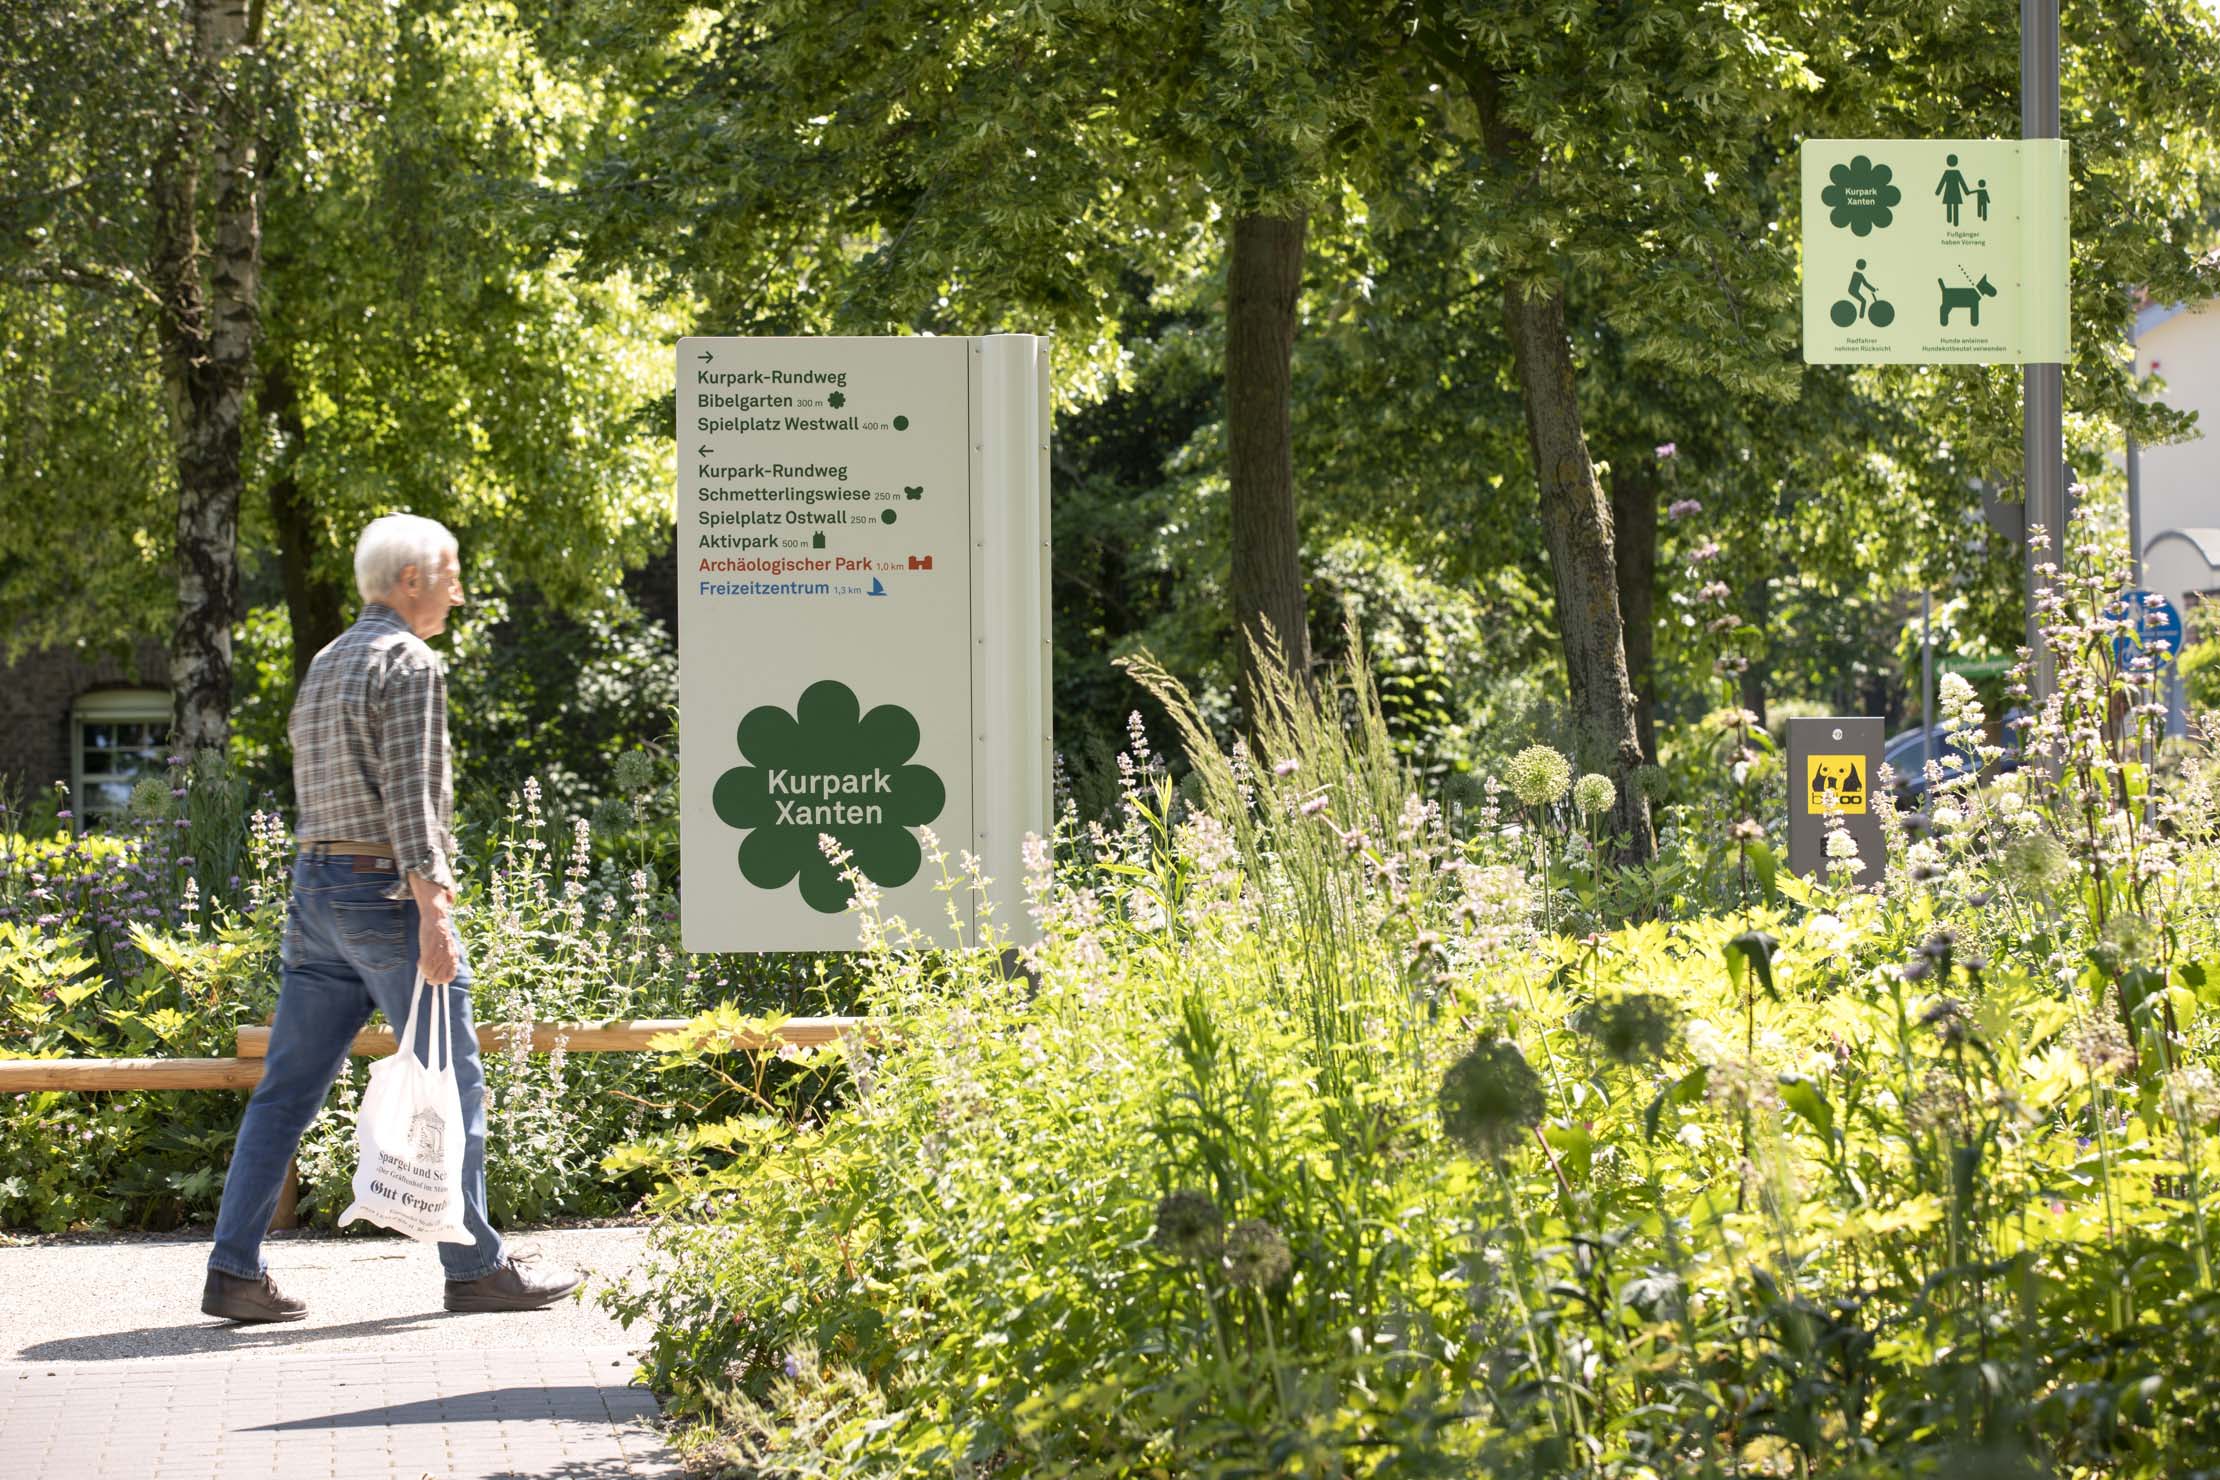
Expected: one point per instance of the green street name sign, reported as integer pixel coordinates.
(1934, 251)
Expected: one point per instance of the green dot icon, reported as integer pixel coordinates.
(901, 423)
(886, 516)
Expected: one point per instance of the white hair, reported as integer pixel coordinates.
(392, 544)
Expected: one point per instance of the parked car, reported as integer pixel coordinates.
(1906, 754)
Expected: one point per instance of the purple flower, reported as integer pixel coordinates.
(1666, 450)
(1682, 508)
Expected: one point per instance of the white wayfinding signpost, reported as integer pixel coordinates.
(863, 630)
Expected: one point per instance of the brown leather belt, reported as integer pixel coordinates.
(368, 857)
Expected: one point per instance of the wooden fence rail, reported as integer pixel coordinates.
(244, 1072)
(77, 1076)
(630, 1036)
(80, 1075)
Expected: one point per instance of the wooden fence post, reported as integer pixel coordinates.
(288, 1214)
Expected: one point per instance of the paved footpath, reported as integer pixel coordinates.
(108, 1369)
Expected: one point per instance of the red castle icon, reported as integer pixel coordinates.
(921, 562)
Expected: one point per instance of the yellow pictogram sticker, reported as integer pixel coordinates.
(1841, 775)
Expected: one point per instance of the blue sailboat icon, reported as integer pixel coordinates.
(878, 587)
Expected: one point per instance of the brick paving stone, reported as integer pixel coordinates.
(484, 1414)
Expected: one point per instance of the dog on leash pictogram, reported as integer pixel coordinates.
(1834, 783)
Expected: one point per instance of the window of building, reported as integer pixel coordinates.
(116, 736)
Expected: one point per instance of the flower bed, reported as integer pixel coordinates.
(1321, 1137)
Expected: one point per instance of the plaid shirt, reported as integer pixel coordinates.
(370, 759)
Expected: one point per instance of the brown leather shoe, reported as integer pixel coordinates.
(519, 1284)
(235, 1299)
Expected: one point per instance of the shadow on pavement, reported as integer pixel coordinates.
(577, 1402)
(204, 1336)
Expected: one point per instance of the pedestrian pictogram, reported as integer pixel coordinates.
(1840, 778)
(1954, 190)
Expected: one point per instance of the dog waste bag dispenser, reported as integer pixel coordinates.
(1833, 767)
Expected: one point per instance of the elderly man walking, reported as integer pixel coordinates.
(372, 903)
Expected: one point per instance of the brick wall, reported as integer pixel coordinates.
(35, 698)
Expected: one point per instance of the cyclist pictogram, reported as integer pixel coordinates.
(1876, 310)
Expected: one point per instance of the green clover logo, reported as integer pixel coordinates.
(1861, 196)
(828, 768)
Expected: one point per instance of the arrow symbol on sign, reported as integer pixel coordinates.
(705, 357)
(703, 451)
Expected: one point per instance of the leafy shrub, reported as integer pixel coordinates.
(108, 948)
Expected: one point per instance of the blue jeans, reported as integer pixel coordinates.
(347, 949)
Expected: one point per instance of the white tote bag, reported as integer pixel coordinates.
(410, 1135)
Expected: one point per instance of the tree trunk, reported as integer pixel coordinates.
(1576, 525)
(316, 604)
(1264, 278)
(1634, 523)
(208, 332)
(1576, 515)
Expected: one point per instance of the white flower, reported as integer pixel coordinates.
(1949, 817)
(1145, 910)
(1841, 845)
(1826, 934)
(2010, 802)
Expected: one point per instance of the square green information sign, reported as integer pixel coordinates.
(1934, 251)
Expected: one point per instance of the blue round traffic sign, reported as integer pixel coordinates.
(2158, 623)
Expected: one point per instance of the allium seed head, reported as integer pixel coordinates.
(1257, 1256)
(1490, 1097)
(1539, 776)
(1189, 1225)
(2036, 862)
(1634, 1027)
(634, 771)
